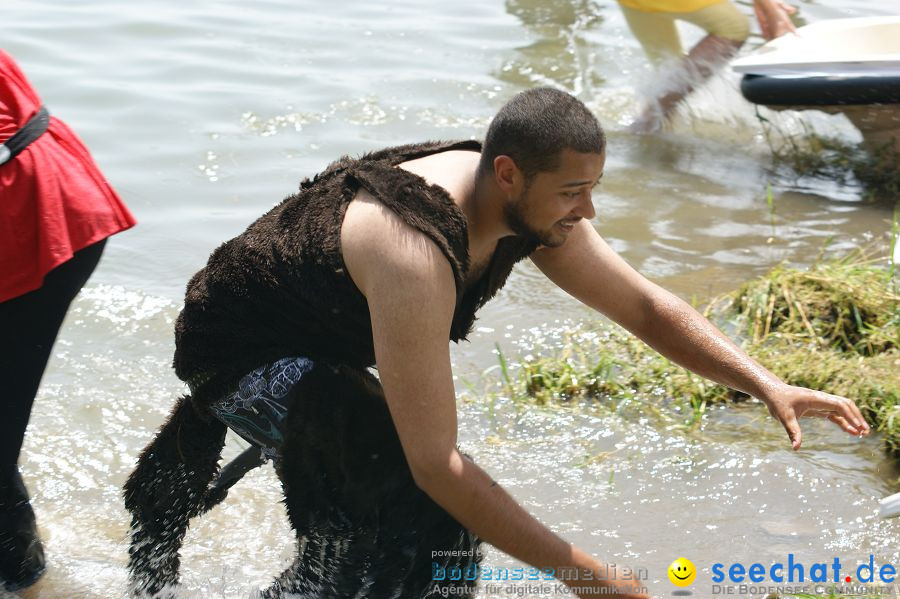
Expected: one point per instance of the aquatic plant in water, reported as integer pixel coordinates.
(809, 154)
(834, 327)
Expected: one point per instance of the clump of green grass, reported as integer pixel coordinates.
(834, 327)
(573, 374)
(620, 373)
(846, 304)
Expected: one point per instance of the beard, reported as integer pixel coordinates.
(516, 215)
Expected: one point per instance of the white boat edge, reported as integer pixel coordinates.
(890, 506)
(781, 57)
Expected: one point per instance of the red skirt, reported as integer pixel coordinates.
(54, 200)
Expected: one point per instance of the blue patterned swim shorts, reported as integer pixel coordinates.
(257, 409)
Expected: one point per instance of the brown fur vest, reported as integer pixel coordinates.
(280, 288)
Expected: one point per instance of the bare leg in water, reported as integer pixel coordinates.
(708, 56)
(704, 59)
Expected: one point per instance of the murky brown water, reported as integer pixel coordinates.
(205, 114)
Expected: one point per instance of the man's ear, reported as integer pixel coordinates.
(507, 174)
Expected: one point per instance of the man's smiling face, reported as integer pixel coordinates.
(548, 208)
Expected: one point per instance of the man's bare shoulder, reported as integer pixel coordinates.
(454, 170)
(382, 252)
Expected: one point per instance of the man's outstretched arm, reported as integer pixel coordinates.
(588, 269)
(411, 294)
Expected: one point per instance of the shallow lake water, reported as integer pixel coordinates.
(205, 114)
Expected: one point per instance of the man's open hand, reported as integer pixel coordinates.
(774, 18)
(792, 403)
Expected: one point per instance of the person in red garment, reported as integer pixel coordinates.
(56, 211)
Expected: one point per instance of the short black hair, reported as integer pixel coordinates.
(535, 126)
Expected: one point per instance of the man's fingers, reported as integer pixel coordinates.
(788, 8)
(774, 18)
(855, 417)
(842, 422)
(793, 430)
(850, 413)
(763, 22)
(828, 406)
(858, 418)
(801, 403)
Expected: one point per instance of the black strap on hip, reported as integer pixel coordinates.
(33, 129)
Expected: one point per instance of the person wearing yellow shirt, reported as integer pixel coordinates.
(653, 24)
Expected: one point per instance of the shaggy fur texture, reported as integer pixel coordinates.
(364, 529)
(168, 488)
(280, 288)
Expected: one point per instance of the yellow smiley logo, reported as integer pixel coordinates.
(682, 572)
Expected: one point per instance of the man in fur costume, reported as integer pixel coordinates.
(379, 261)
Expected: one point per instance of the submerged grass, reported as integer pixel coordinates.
(834, 327)
(810, 154)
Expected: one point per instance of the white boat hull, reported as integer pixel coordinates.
(848, 66)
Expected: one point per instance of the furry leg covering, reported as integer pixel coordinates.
(364, 529)
(167, 488)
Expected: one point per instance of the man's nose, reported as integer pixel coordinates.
(585, 206)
